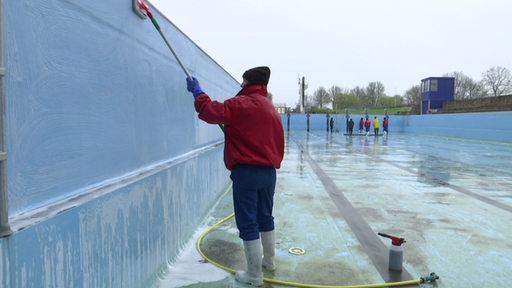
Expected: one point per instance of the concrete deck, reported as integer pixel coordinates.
(451, 199)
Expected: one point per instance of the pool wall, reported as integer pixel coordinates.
(109, 171)
(488, 126)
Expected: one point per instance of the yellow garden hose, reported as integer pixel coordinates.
(293, 284)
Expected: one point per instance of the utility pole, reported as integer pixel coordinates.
(302, 94)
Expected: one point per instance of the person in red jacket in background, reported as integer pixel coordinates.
(253, 150)
(385, 124)
(367, 125)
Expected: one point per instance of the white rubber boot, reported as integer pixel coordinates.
(268, 241)
(253, 255)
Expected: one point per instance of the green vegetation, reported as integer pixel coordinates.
(359, 111)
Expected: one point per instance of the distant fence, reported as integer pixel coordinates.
(488, 104)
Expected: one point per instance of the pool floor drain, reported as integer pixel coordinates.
(296, 251)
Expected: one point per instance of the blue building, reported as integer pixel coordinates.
(435, 91)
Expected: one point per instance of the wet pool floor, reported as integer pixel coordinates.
(451, 199)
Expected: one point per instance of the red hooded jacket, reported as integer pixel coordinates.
(253, 130)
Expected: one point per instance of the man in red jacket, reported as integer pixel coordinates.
(253, 150)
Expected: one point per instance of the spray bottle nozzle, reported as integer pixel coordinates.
(396, 241)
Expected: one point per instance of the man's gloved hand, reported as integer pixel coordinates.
(193, 86)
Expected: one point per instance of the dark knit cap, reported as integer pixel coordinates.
(257, 75)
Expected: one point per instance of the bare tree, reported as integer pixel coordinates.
(321, 97)
(413, 95)
(360, 93)
(374, 91)
(334, 91)
(466, 87)
(475, 89)
(497, 80)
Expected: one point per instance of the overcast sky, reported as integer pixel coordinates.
(348, 43)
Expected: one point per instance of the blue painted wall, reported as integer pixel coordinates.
(488, 126)
(109, 170)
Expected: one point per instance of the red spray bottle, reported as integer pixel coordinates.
(396, 253)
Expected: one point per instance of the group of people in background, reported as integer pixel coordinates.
(366, 124)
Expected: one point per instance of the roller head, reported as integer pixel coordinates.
(140, 8)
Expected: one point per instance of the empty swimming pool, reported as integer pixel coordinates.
(450, 198)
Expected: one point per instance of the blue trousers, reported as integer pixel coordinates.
(253, 199)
